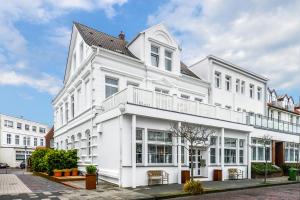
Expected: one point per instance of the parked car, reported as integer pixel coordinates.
(4, 165)
(22, 165)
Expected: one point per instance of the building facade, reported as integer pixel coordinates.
(120, 99)
(18, 137)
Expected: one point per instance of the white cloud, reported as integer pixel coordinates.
(262, 36)
(61, 36)
(44, 83)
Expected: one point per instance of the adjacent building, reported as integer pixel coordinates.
(18, 137)
(120, 99)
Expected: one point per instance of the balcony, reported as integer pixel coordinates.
(148, 98)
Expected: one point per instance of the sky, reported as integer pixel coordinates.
(261, 36)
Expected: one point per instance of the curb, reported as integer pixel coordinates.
(220, 190)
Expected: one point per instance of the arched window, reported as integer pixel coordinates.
(67, 143)
(72, 142)
(89, 141)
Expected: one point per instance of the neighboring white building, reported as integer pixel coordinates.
(16, 134)
(119, 100)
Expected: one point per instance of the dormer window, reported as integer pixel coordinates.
(154, 55)
(168, 60)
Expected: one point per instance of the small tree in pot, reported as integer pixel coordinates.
(90, 177)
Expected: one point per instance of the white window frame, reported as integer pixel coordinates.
(218, 79)
(168, 59)
(259, 93)
(115, 86)
(237, 85)
(251, 91)
(155, 55)
(228, 83)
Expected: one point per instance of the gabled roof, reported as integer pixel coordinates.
(92, 37)
(185, 70)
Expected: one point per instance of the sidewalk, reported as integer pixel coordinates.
(172, 190)
(10, 184)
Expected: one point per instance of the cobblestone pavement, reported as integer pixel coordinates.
(9, 183)
(283, 192)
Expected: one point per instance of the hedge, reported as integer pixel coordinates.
(46, 160)
(259, 168)
(285, 167)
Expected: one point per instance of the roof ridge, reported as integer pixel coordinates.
(77, 23)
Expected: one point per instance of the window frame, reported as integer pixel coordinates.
(110, 85)
(155, 55)
(170, 59)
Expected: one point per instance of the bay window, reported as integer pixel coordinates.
(230, 145)
(111, 86)
(260, 152)
(159, 147)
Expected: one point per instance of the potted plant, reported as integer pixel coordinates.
(90, 177)
(74, 172)
(57, 172)
(67, 172)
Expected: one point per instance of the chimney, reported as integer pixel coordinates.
(122, 35)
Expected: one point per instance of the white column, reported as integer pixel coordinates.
(179, 156)
(133, 151)
(222, 153)
(145, 144)
(249, 155)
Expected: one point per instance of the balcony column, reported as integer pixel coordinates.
(222, 153)
(179, 156)
(133, 151)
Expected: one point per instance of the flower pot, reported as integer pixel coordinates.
(90, 181)
(67, 173)
(74, 172)
(57, 173)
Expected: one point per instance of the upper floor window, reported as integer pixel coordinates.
(132, 84)
(72, 106)
(168, 60)
(237, 85)
(17, 139)
(185, 96)
(28, 141)
(81, 51)
(74, 61)
(35, 142)
(154, 55)
(8, 123)
(163, 91)
(41, 142)
(259, 93)
(42, 130)
(198, 99)
(243, 85)
(24, 141)
(34, 128)
(8, 139)
(279, 116)
(27, 127)
(111, 86)
(67, 111)
(61, 115)
(251, 91)
(217, 79)
(19, 125)
(228, 83)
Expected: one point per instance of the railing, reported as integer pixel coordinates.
(154, 99)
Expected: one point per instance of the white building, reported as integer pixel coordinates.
(17, 136)
(119, 100)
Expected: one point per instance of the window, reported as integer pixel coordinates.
(163, 91)
(19, 125)
(17, 139)
(41, 142)
(251, 91)
(8, 139)
(259, 93)
(78, 99)
(72, 107)
(217, 79)
(61, 115)
(230, 142)
(74, 62)
(279, 116)
(212, 155)
(227, 83)
(243, 87)
(35, 142)
(237, 85)
(132, 84)
(154, 56)
(28, 141)
(229, 156)
(111, 86)
(27, 127)
(291, 152)
(8, 123)
(24, 141)
(184, 96)
(67, 112)
(213, 141)
(34, 128)
(81, 52)
(259, 152)
(139, 145)
(198, 99)
(168, 60)
(87, 93)
(241, 156)
(159, 147)
(42, 130)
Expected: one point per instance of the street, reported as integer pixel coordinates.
(284, 192)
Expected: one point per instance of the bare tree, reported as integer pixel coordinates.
(196, 136)
(266, 140)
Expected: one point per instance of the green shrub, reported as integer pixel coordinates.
(193, 187)
(71, 159)
(38, 163)
(55, 160)
(285, 167)
(259, 168)
(91, 169)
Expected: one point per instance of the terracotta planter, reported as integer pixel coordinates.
(90, 181)
(74, 172)
(57, 174)
(67, 173)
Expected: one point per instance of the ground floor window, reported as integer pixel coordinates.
(260, 152)
(159, 153)
(20, 155)
(213, 155)
(229, 156)
(291, 152)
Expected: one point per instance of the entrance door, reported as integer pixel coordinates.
(199, 163)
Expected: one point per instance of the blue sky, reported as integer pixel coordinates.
(34, 39)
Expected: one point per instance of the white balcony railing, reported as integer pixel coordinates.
(157, 100)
